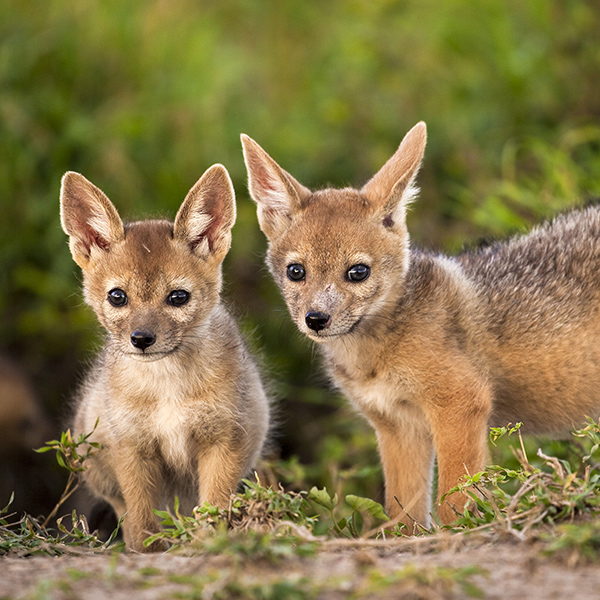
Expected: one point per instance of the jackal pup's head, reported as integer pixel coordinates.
(152, 284)
(338, 256)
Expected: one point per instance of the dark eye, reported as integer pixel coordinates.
(358, 272)
(178, 297)
(296, 272)
(117, 297)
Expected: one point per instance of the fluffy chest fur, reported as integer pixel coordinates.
(170, 426)
(173, 407)
(376, 383)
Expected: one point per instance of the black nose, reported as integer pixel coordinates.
(142, 338)
(317, 320)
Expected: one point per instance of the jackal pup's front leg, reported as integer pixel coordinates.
(140, 480)
(460, 439)
(406, 453)
(220, 468)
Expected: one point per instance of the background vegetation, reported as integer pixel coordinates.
(142, 97)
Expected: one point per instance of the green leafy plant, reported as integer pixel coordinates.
(260, 522)
(499, 432)
(351, 525)
(590, 436)
(514, 500)
(71, 454)
(28, 536)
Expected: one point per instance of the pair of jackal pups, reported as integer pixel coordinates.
(430, 349)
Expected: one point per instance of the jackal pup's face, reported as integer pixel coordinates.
(151, 283)
(337, 255)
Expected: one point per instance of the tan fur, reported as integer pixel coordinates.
(434, 349)
(187, 415)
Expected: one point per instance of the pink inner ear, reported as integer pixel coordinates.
(98, 241)
(263, 178)
(210, 233)
(90, 237)
(269, 184)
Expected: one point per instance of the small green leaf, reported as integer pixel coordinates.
(115, 532)
(163, 514)
(10, 501)
(60, 460)
(366, 505)
(323, 498)
(153, 538)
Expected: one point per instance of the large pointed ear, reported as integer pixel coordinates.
(392, 188)
(88, 217)
(277, 194)
(207, 214)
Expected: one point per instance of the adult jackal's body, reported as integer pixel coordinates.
(434, 349)
(179, 402)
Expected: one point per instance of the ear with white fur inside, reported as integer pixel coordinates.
(392, 188)
(277, 194)
(88, 217)
(207, 214)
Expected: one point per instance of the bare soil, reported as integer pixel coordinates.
(401, 569)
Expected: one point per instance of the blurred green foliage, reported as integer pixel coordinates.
(141, 97)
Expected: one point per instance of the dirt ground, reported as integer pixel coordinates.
(507, 570)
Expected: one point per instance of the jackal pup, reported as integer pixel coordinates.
(433, 349)
(180, 406)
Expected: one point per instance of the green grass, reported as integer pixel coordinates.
(254, 549)
(543, 498)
